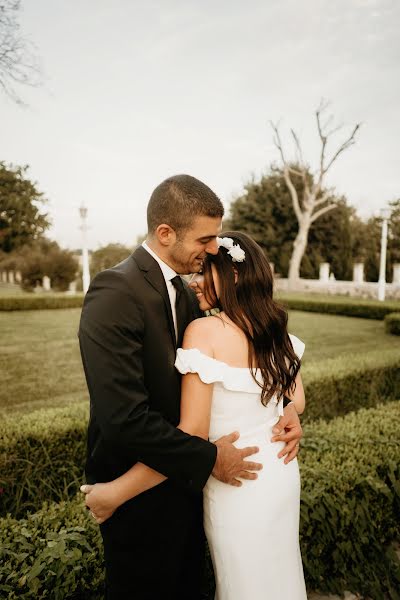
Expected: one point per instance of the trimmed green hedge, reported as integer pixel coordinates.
(392, 323)
(40, 301)
(350, 515)
(42, 456)
(341, 388)
(350, 307)
(350, 512)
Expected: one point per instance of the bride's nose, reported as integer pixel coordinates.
(196, 281)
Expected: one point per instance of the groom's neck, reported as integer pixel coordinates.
(160, 250)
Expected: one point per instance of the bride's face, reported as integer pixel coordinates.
(197, 285)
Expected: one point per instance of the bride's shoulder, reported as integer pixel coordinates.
(200, 333)
(204, 324)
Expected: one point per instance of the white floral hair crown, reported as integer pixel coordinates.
(234, 250)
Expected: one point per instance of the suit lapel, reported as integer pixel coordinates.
(153, 274)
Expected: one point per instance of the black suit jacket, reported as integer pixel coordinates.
(128, 349)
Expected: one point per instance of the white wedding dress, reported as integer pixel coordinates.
(253, 530)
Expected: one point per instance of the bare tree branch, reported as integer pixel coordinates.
(286, 172)
(313, 194)
(322, 211)
(19, 64)
(346, 144)
(277, 140)
(323, 138)
(297, 144)
(325, 197)
(295, 171)
(293, 194)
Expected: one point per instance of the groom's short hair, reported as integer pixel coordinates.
(178, 200)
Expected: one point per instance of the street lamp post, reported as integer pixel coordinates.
(85, 253)
(385, 214)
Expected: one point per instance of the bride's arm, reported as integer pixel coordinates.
(104, 498)
(298, 397)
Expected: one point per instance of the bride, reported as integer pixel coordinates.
(237, 366)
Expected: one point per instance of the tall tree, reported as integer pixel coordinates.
(265, 212)
(394, 234)
(19, 64)
(107, 257)
(21, 221)
(372, 244)
(314, 201)
(45, 257)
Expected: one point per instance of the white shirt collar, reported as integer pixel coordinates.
(167, 271)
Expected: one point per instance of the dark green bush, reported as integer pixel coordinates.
(40, 301)
(337, 393)
(42, 457)
(351, 307)
(42, 454)
(54, 553)
(350, 514)
(392, 323)
(350, 511)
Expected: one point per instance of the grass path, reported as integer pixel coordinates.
(39, 359)
(40, 362)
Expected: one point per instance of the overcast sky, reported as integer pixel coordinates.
(138, 90)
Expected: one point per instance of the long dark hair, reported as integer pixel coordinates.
(250, 305)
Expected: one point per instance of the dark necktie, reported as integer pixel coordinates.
(180, 308)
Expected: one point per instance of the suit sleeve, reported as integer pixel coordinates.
(111, 343)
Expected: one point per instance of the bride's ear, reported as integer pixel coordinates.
(235, 274)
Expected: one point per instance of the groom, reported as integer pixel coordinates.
(133, 320)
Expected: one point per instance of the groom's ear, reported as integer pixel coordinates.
(165, 235)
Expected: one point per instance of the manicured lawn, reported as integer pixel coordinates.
(40, 362)
(39, 359)
(336, 342)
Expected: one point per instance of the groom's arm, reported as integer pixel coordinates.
(111, 340)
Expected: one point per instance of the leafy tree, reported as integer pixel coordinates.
(330, 240)
(265, 212)
(372, 244)
(107, 257)
(394, 234)
(45, 257)
(370, 248)
(21, 221)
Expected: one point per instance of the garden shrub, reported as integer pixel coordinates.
(350, 510)
(40, 302)
(350, 515)
(392, 323)
(42, 454)
(42, 457)
(341, 388)
(350, 307)
(54, 553)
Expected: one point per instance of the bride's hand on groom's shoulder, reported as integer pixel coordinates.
(100, 500)
(288, 430)
(231, 463)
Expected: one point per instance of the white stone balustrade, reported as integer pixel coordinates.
(358, 272)
(324, 271)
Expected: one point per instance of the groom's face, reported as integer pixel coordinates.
(192, 246)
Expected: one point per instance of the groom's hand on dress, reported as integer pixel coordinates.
(231, 463)
(288, 429)
(99, 501)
